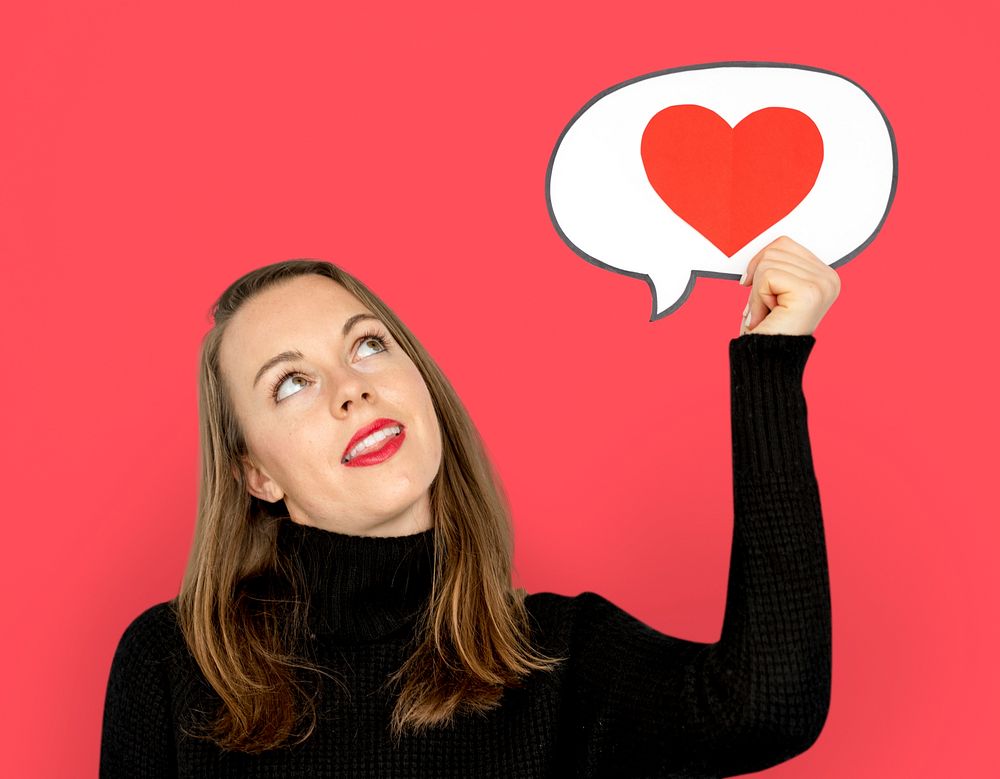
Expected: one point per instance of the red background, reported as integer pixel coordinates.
(151, 154)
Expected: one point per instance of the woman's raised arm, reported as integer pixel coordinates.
(645, 703)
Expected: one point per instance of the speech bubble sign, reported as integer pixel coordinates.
(691, 171)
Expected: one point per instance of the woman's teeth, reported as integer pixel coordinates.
(377, 437)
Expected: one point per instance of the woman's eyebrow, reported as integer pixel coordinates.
(295, 354)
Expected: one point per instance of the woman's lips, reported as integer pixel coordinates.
(365, 431)
(381, 452)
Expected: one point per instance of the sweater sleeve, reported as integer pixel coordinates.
(649, 704)
(137, 739)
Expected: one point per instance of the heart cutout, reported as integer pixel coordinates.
(731, 183)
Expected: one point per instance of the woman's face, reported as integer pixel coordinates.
(341, 384)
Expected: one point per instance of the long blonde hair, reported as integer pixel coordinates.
(472, 640)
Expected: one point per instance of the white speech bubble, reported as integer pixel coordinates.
(603, 204)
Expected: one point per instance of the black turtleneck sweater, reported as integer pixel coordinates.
(630, 702)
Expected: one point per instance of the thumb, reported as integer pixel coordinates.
(759, 307)
(770, 301)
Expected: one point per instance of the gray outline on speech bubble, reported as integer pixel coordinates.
(696, 273)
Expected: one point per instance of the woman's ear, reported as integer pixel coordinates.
(259, 484)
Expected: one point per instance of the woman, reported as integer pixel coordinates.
(348, 609)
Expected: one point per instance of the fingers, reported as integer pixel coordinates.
(816, 273)
(785, 275)
(787, 260)
(787, 252)
(784, 261)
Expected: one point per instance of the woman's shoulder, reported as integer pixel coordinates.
(562, 612)
(589, 614)
(151, 635)
(557, 604)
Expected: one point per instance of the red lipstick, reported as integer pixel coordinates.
(382, 450)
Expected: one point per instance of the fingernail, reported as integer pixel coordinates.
(743, 278)
(747, 320)
(746, 310)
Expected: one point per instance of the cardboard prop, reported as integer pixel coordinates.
(691, 171)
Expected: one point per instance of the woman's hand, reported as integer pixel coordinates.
(791, 290)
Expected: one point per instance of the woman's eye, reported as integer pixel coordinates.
(281, 383)
(377, 339)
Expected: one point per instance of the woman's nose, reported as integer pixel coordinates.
(349, 386)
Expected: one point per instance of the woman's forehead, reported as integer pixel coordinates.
(306, 304)
(287, 317)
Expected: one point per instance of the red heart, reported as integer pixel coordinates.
(731, 183)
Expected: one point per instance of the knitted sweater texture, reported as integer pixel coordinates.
(629, 702)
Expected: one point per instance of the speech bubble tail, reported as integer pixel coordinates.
(670, 287)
